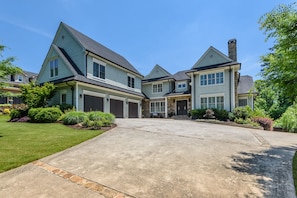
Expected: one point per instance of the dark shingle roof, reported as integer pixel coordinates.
(181, 75)
(81, 78)
(100, 50)
(245, 85)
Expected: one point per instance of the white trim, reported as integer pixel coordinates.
(76, 97)
(193, 98)
(99, 62)
(215, 73)
(212, 95)
(117, 98)
(166, 110)
(92, 93)
(157, 88)
(134, 101)
(232, 89)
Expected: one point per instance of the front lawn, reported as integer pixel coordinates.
(21, 143)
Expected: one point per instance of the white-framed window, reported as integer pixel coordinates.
(98, 70)
(158, 88)
(20, 78)
(181, 85)
(242, 102)
(212, 79)
(212, 102)
(131, 82)
(157, 107)
(54, 68)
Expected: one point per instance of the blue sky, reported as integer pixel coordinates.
(171, 33)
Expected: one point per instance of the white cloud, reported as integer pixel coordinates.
(28, 28)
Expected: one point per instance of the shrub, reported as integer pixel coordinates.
(95, 115)
(106, 119)
(6, 111)
(197, 113)
(242, 112)
(109, 118)
(93, 124)
(14, 114)
(221, 114)
(266, 123)
(288, 120)
(44, 115)
(65, 107)
(258, 113)
(246, 121)
(74, 117)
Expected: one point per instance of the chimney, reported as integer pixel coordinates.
(232, 49)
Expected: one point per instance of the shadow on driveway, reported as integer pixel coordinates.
(272, 167)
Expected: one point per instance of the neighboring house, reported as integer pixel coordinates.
(213, 82)
(90, 76)
(8, 93)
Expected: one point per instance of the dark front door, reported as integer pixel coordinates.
(182, 107)
(133, 110)
(116, 108)
(93, 103)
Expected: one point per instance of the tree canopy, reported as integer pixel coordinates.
(6, 67)
(35, 95)
(280, 64)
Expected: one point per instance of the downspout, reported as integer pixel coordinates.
(230, 87)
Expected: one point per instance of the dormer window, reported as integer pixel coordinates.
(20, 78)
(54, 68)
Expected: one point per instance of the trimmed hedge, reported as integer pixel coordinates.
(44, 115)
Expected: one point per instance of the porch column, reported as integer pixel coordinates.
(193, 91)
(166, 108)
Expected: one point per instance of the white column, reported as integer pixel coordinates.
(166, 109)
(77, 97)
(232, 90)
(193, 91)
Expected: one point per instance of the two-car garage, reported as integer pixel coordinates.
(115, 106)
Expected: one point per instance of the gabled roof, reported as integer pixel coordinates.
(245, 85)
(157, 73)
(212, 56)
(100, 50)
(181, 75)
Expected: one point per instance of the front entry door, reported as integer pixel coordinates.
(182, 107)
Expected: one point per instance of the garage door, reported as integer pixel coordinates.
(133, 110)
(116, 108)
(93, 103)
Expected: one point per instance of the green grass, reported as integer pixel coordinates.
(295, 171)
(21, 143)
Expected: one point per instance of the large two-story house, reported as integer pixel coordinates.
(9, 94)
(214, 81)
(90, 76)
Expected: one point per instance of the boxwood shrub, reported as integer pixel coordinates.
(44, 115)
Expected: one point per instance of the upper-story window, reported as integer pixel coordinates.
(158, 88)
(20, 78)
(181, 85)
(54, 68)
(99, 70)
(131, 82)
(212, 79)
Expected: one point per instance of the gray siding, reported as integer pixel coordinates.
(147, 89)
(73, 49)
(63, 70)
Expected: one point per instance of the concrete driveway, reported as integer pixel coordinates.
(163, 158)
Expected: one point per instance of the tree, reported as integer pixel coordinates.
(35, 95)
(6, 69)
(270, 99)
(280, 64)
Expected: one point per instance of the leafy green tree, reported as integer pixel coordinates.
(6, 69)
(280, 64)
(35, 95)
(270, 99)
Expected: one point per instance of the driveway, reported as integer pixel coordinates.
(163, 158)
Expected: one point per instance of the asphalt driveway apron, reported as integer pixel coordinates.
(163, 158)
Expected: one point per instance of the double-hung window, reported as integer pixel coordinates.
(212, 102)
(99, 70)
(158, 88)
(212, 79)
(157, 107)
(131, 82)
(54, 68)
